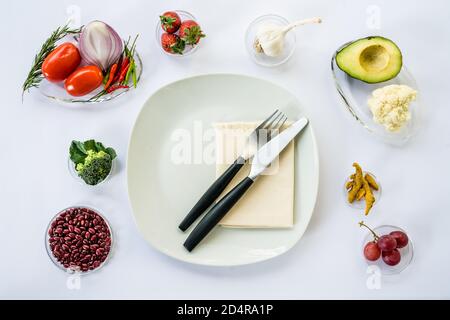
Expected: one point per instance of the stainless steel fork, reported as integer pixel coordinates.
(261, 135)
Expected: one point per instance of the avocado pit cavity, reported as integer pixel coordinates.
(374, 58)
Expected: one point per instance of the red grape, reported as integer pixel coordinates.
(387, 243)
(371, 251)
(401, 238)
(391, 258)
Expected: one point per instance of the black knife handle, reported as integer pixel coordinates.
(217, 212)
(212, 194)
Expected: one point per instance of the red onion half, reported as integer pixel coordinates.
(100, 44)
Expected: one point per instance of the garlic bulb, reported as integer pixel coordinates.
(270, 37)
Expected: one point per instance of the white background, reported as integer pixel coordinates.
(327, 262)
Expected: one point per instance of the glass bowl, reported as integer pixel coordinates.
(56, 91)
(261, 58)
(406, 253)
(190, 49)
(361, 204)
(355, 93)
(73, 172)
(75, 269)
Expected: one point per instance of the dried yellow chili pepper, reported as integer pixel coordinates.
(371, 181)
(358, 182)
(361, 193)
(349, 185)
(370, 199)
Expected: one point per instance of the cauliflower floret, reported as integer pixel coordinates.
(390, 106)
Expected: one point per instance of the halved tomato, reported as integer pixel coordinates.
(83, 80)
(61, 62)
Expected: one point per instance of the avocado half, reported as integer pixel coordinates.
(373, 59)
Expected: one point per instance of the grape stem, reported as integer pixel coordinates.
(375, 236)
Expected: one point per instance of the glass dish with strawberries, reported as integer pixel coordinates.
(178, 33)
(85, 65)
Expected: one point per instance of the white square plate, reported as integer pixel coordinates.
(162, 191)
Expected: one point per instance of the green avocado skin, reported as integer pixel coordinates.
(346, 60)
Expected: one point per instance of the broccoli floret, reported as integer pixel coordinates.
(95, 168)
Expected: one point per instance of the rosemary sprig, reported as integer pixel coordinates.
(35, 75)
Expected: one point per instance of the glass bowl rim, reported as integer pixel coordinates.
(53, 258)
(251, 24)
(410, 246)
(158, 37)
(111, 96)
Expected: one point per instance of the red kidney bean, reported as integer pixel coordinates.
(79, 237)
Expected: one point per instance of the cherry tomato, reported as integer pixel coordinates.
(83, 80)
(61, 62)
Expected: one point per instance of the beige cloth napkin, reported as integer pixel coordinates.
(269, 202)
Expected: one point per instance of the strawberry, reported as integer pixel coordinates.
(190, 32)
(172, 43)
(170, 21)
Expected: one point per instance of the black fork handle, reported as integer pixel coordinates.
(212, 194)
(217, 212)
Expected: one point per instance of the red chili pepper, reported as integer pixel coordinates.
(112, 73)
(116, 87)
(123, 73)
(123, 61)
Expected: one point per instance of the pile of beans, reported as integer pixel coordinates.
(79, 239)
